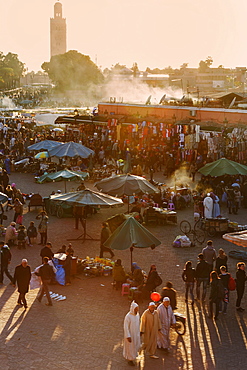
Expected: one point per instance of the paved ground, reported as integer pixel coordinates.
(86, 330)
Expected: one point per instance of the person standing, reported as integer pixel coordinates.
(168, 291)
(208, 204)
(105, 233)
(240, 284)
(47, 252)
(5, 255)
(150, 326)
(188, 277)
(209, 254)
(132, 339)
(47, 274)
(225, 277)
(22, 277)
(42, 228)
(167, 320)
(202, 277)
(32, 234)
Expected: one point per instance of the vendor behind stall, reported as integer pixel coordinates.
(118, 273)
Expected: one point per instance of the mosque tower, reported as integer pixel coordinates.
(58, 31)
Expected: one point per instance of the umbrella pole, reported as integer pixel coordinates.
(131, 258)
(128, 204)
(65, 186)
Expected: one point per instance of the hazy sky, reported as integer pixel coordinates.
(153, 33)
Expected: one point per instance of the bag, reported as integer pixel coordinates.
(231, 283)
(220, 290)
(19, 219)
(158, 281)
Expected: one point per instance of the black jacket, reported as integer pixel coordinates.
(189, 275)
(202, 270)
(22, 276)
(46, 252)
(5, 255)
(46, 272)
(240, 278)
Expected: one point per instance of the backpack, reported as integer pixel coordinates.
(231, 283)
(220, 290)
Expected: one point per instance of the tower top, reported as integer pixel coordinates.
(58, 10)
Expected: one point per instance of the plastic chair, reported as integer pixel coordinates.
(125, 289)
(171, 207)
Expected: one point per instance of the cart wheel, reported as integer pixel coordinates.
(180, 327)
(211, 231)
(199, 225)
(185, 227)
(52, 209)
(200, 236)
(60, 212)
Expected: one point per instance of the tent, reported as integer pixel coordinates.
(120, 185)
(64, 175)
(71, 149)
(222, 167)
(44, 145)
(131, 234)
(88, 197)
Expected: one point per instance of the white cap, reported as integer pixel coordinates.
(166, 299)
(151, 304)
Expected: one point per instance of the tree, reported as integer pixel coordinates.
(184, 66)
(205, 64)
(11, 70)
(72, 70)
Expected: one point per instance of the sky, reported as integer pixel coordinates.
(152, 33)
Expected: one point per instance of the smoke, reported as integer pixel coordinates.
(136, 91)
(7, 103)
(181, 179)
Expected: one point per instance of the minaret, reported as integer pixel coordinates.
(58, 31)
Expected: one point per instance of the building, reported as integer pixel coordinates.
(58, 42)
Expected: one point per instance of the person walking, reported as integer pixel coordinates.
(221, 260)
(132, 339)
(5, 256)
(22, 277)
(188, 277)
(149, 328)
(105, 233)
(240, 284)
(202, 277)
(47, 274)
(167, 320)
(224, 276)
(209, 254)
(216, 294)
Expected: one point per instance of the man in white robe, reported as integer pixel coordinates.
(167, 320)
(208, 204)
(132, 339)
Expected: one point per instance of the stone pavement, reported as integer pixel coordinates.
(86, 330)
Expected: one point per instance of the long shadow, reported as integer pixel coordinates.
(196, 355)
(8, 291)
(202, 311)
(8, 328)
(228, 344)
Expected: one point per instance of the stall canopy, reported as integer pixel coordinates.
(222, 167)
(44, 145)
(71, 149)
(88, 197)
(239, 238)
(131, 234)
(64, 175)
(120, 185)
